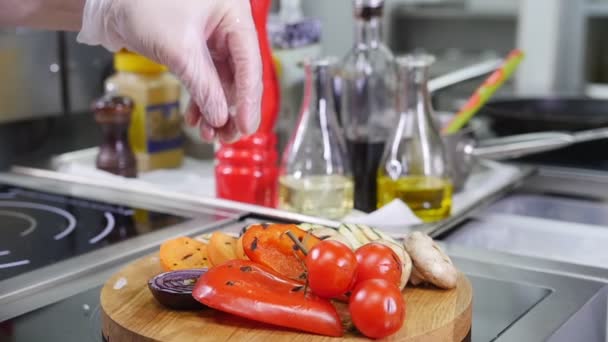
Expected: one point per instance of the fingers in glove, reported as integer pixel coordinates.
(208, 133)
(192, 115)
(205, 87)
(245, 57)
(229, 133)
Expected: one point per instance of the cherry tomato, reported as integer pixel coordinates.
(377, 261)
(332, 269)
(377, 308)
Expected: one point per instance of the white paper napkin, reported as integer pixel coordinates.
(395, 218)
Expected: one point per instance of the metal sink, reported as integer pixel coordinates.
(498, 304)
(588, 324)
(555, 216)
(518, 298)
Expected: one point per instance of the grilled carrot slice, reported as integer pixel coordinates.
(221, 248)
(183, 253)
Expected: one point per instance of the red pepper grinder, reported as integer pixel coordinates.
(247, 171)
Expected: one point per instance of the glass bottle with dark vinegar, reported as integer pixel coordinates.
(414, 166)
(367, 100)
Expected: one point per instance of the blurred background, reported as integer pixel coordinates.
(48, 80)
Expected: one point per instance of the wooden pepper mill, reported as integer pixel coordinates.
(113, 114)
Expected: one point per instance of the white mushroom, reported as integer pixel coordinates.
(430, 263)
(416, 278)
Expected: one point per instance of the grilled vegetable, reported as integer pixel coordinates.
(345, 230)
(239, 250)
(374, 234)
(221, 248)
(183, 253)
(431, 264)
(269, 245)
(370, 233)
(357, 233)
(250, 290)
(309, 226)
(324, 233)
(406, 261)
(174, 289)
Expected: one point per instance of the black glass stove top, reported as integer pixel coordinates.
(38, 228)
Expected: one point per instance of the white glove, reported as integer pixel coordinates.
(211, 45)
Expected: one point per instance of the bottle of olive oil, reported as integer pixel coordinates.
(316, 177)
(430, 198)
(414, 166)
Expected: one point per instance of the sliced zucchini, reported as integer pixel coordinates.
(341, 238)
(357, 233)
(311, 226)
(385, 236)
(324, 233)
(369, 232)
(348, 234)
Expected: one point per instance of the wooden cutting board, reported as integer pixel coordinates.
(130, 313)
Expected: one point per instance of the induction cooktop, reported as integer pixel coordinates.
(39, 228)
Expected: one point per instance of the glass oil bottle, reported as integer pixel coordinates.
(315, 176)
(414, 166)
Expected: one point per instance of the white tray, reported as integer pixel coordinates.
(196, 177)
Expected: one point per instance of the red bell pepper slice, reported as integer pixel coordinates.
(269, 245)
(256, 292)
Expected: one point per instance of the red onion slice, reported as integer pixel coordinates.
(174, 289)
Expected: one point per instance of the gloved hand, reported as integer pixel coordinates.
(211, 45)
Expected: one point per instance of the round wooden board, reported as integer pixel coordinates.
(130, 313)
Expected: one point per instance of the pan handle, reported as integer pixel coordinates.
(521, 145)
(591, 134)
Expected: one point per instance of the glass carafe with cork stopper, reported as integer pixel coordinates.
(367, 88)
(315, 175)
(414, 166)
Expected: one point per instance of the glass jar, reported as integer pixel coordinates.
(367, 88)
(315, 176)
(414, 167)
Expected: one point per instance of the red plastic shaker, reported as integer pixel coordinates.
(247, 171)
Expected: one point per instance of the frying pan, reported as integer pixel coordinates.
(537, 114)
(526, 115)
(462, 149)
(521, 120)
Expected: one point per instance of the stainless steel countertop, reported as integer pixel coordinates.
(569, 286)
(30, 290)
